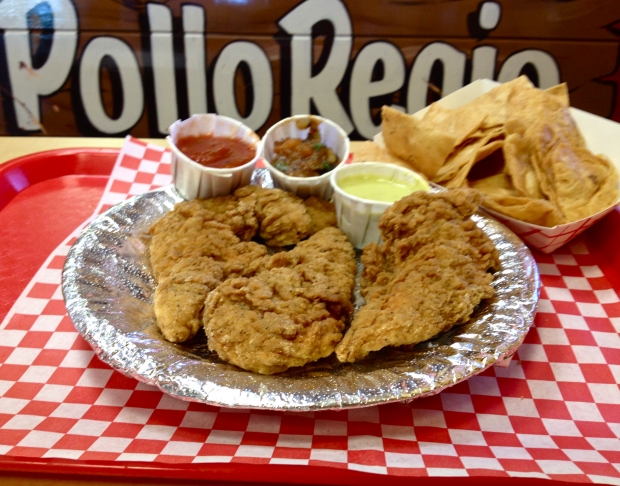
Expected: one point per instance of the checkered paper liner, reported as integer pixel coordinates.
(553, 412)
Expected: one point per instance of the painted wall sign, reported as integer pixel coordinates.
(113, 67)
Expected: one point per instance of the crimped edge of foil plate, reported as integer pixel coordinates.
(108, 291)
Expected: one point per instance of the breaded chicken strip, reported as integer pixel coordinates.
(288, 315)
(180, 296)
(282, 216)
(213, 235)
(327, 263)
(189, 257)
(322, 213)
(228, 210)
(197, 236)
(429, 275)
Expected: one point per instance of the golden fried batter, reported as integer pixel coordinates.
(290, 314)
(190, 254)
(322, 213)
(201, 243)
(282, 215)
(180, 296)
(239, 217)
(189, 262)
(234, 213)
(429, 275)
(196, 236)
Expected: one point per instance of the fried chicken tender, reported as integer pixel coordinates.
(203, 242)
(429, 275)
(327, 261)
(240, 216)
(186, 242)
(228, 210)
(291, 313)
(180, 296)
(196, 236)
(282, 215)
(197, 260)
(322, 213)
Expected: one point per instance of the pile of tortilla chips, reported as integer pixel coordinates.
(517, 144)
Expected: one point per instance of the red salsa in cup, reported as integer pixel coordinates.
(217, 152)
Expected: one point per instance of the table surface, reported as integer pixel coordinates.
(12, 148)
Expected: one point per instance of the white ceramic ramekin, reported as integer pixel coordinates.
(332, 136)
(193, 180)
(359, 218)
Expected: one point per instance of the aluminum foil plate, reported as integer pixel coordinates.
(108, 290)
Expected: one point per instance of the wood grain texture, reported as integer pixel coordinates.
(521, 19)
(581, 36)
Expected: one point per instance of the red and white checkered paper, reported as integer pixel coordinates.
(553, 412)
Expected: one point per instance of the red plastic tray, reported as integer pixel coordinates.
(45, 196)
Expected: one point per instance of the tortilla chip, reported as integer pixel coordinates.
(517, 144)
(459, 123)
(373, 152)
(463, 160)
(498, 185)
(535, 211)
(462, 154)
(496, 104)
(459, 180)
(582, 183)
(560, 92)
(411, 139)
(546, 117)
(518, 155)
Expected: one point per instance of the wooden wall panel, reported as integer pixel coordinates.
(132, 66)
(529, 19)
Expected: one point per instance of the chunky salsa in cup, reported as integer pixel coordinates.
(304, 158)
(217, 152)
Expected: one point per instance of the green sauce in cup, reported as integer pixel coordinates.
(379, 188)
